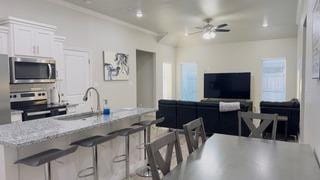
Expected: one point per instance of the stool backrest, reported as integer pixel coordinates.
(192, 131)
(156, 160)
(257, 132)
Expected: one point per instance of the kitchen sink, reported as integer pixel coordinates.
(80, 116)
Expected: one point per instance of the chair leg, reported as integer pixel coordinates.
(95, 162)
(47, 171)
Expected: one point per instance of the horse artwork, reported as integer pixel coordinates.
(116, 66)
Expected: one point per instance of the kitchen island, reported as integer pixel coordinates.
(18, 140)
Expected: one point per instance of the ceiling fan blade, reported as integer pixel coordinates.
(222, 30)
(198, 27)
(222, 25)
(192, 33)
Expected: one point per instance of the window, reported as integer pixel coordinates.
(274, 79)
(167, 80)
(189, 81)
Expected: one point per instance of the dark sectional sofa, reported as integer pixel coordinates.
(291, 109)
(177, 113)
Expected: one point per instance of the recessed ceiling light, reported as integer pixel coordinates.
(139, 14)
(265, 24)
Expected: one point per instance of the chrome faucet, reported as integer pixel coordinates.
(85, 98)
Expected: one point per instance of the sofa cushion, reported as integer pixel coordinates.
(210, 114)
(186, 112)
(168, 110)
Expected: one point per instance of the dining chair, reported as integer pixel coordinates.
(266, 120)
(193, 131)
(156, 160)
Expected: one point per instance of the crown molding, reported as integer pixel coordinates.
(100, 16)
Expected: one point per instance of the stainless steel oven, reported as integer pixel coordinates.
(27, 70)
(35, 105)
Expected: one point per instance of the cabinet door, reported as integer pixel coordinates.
(44, 43)
(58, 56)
(3, 43)
(23, 41)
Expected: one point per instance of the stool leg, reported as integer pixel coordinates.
(145, 171)
(95, 162)
(145, 142)
(127, 151)
(47, 171)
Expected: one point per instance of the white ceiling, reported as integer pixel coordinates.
(174, 17)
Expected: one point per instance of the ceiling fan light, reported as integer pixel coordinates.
(212, 34)
(206, 36)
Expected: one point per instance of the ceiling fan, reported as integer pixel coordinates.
(209, 30)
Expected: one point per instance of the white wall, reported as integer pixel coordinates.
(241, 57)
(145, 79)
(95, 34)
(311, 112)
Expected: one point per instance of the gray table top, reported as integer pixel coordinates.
(225, 157)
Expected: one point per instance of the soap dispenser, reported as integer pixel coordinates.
(106, 109)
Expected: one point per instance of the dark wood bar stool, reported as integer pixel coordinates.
(45, 158)
(145, 171)
(93, 142)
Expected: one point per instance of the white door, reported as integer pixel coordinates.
(77, 78)
(3, 43)
(23, 41)
(44, 43)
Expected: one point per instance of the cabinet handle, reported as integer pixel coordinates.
(38, 49)
(34, 49)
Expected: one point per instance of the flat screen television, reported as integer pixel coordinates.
(227, 85)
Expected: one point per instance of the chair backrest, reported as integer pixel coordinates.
(257, 132)
(192, 131)
(155, 158)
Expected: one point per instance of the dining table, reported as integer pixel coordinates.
(225, 157)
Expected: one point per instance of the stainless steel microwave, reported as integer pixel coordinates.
(27, 70)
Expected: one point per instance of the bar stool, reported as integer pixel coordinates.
(126, 132)
(45, 158)
(93, 142)
(145, 171)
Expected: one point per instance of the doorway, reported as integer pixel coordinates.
(145, 79)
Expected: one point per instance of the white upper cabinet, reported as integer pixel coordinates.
(58, 55)
(3, 40)
(29, 39)
(23, 41)
(44, 43)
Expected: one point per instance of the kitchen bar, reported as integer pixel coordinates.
(19, 140)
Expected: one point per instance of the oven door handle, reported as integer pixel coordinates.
(50, 71)
(38, 113)
(62, 109)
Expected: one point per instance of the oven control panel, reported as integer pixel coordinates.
(28, 96)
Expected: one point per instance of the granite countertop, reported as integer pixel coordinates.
(37, 131)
